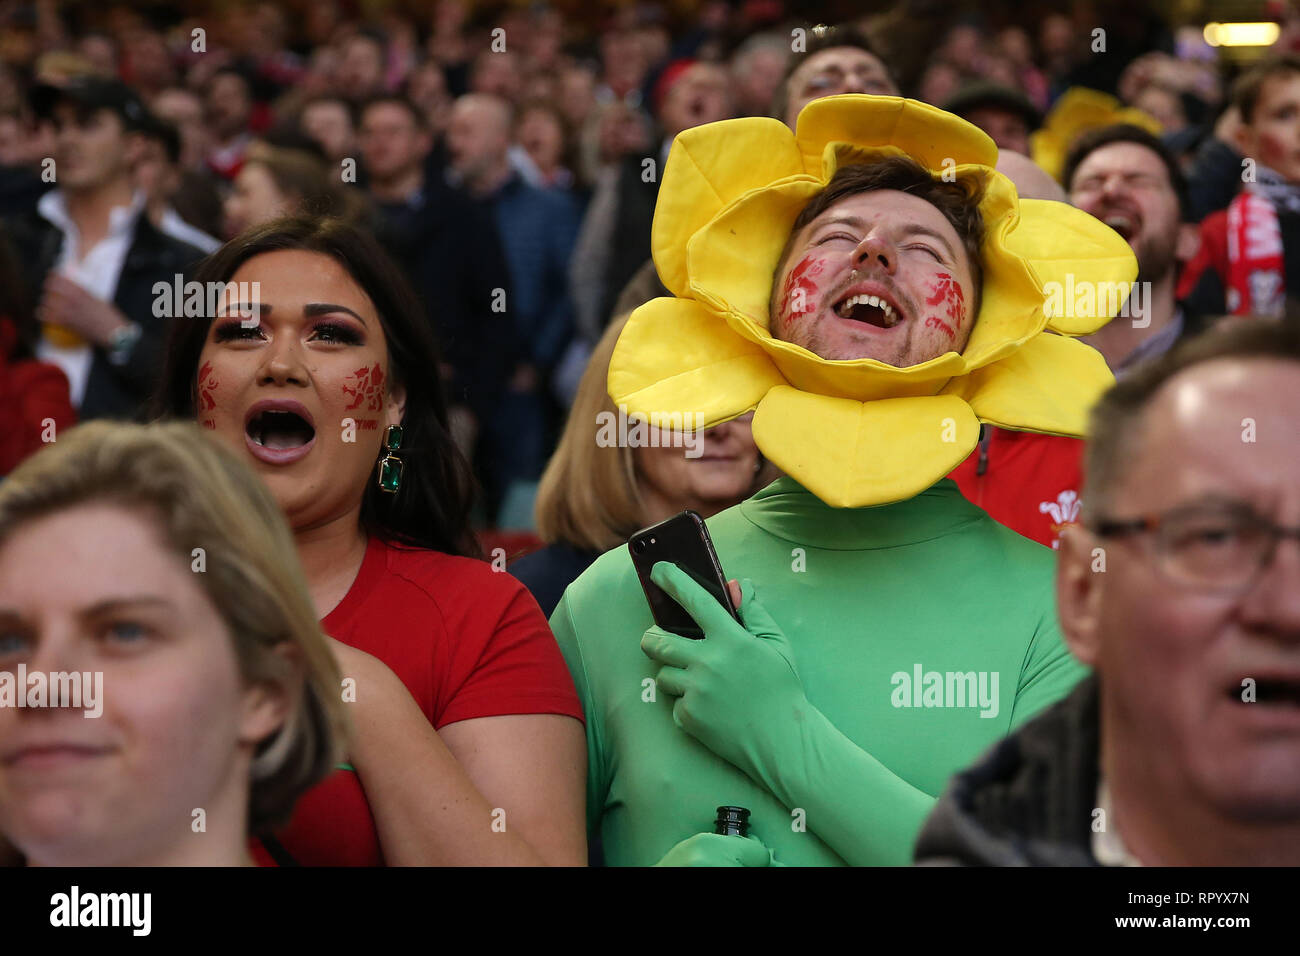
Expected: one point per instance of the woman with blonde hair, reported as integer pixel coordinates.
(147, 561)
(278, 181)
(598, 489)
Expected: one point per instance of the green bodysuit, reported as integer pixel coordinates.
(922, 632)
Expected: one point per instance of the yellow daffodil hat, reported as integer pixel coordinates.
(1077, 111)
(857, 432)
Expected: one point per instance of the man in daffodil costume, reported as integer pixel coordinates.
(871, 288)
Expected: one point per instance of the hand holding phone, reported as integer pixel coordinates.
(682, 540)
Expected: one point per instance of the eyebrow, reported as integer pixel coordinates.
(9, 615)
(1215, 499)
(324, 308)
(310, 310)
(113, 604)
(912, 229)
(834, 69)
(1123, 174)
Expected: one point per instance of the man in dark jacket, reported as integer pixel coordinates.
(92, 256)
(1182, 591)
(685, 94)
(448, 247)
(536, 229)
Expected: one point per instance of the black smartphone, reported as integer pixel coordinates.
(682, 540)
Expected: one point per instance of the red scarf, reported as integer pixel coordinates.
(1256, 280)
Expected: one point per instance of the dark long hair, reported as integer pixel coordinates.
(432, 508)
(16, 306)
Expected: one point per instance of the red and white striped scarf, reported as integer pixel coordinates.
(1256, 277)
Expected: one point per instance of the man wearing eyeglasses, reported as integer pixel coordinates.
(835, 60)
(1182, 591)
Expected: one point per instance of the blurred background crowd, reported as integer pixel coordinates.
(450, 204)
(507, 155)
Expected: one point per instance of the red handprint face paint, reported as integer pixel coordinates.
(364, 389)
(802, 291)
(946, 295)
(207, 395)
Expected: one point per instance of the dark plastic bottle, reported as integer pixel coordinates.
(732, 821)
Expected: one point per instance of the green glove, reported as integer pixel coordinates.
(738, 696)
(713, 849)
(738, 693)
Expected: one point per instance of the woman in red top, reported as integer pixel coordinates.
(35, 405)
(469, 747)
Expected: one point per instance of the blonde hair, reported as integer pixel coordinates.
(308, 181)
(588, 495)
(203, 497)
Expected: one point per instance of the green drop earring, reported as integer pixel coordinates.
(390, 466)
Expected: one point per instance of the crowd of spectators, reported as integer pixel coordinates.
(450, 213)
(507, 157)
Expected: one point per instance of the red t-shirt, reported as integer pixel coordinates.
(1030, 483)
(30, 393)
(467, 641)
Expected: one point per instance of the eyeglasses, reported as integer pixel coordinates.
(1094, 184)
(1218, 548)
(865, 76)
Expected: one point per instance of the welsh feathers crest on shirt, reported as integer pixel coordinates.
(1266, 292)
(1064, 511)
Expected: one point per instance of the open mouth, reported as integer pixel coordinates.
(1271, 692)
(279, 429)
(1125, 224)
(869, 309)
(279, 432)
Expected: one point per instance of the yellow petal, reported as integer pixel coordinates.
(731, 260)
(1049, 384)
(926, 133)
(852, 454)
(858, 379)
(1011, 300)
(1078, 110)
(708, 167)
(675, 357)
(1047, 149)
(1068, 249)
